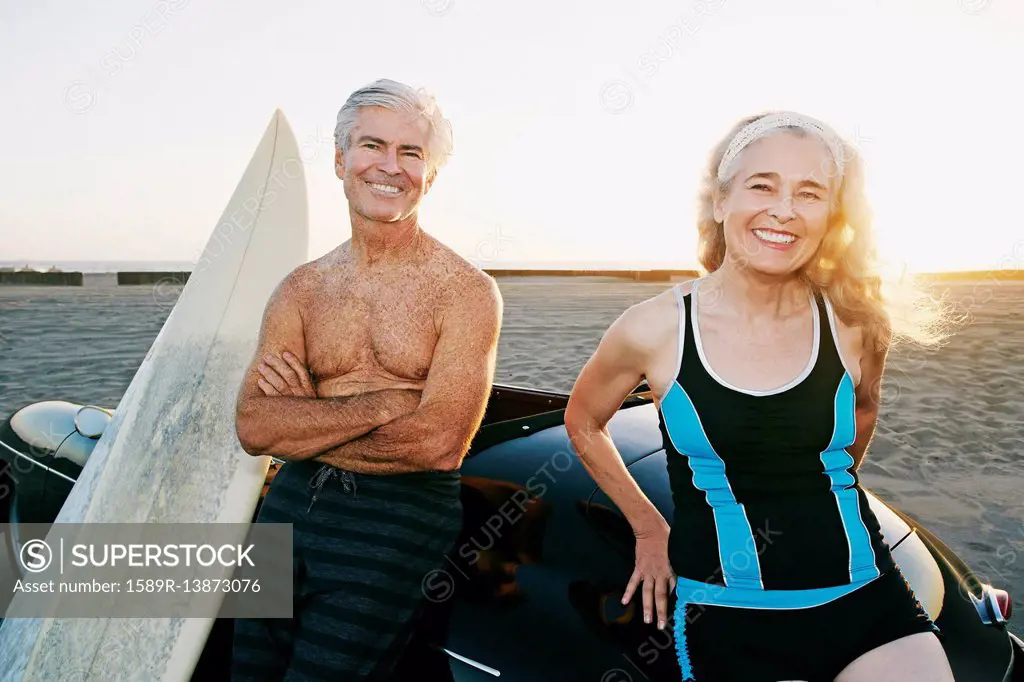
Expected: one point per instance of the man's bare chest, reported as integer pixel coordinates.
(371, 334)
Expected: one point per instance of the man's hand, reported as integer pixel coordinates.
(285, 376)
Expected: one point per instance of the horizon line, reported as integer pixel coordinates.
(635, 273)
(510, 266)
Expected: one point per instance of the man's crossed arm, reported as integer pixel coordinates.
(437, 434)
(386, 432)
(289, 421)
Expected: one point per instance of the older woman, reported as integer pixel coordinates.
(766, 374)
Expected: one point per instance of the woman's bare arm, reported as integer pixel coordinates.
(615, 369)
(868, 401)
(611, 374)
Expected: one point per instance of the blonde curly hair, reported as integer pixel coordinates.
(845, 268)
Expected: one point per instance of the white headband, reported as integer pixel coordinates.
(757, 129)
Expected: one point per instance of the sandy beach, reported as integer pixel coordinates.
(946, 450)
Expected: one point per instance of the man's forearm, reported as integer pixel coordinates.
(415, 442)
(298, 428)
(362, 461)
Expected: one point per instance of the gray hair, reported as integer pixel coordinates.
(397, 97)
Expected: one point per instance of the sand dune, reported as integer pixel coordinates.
(947, 448)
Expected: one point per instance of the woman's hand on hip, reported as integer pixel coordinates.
(654, 572)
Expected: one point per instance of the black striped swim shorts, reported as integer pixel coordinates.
(363, 546)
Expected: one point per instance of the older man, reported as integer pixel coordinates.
(371, 377)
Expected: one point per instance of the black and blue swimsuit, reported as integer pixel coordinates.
(769, 512)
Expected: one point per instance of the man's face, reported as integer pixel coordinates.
(386, 170)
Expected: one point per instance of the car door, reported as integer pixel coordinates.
(521, 594)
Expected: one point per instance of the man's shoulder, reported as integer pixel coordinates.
(304, 283)
(472, 286)
(460, 275)
(300, 281)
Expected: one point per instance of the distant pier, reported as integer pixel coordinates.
(634, 275)
(134, 278)
(181, 277)
(34, 278)
(973, 276)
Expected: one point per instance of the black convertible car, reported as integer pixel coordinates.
(531, 592)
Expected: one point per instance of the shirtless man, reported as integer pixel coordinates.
(372, 373)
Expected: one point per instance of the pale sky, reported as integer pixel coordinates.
(580, 128)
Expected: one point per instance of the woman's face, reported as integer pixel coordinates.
(776, 210)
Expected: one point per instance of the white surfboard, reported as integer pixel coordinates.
(170, 454)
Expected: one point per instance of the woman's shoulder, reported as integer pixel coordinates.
(858, 350)
(664, 307)
(645, 326)
(852, 331)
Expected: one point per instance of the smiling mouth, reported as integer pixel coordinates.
(381, 188)
(775, 238)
